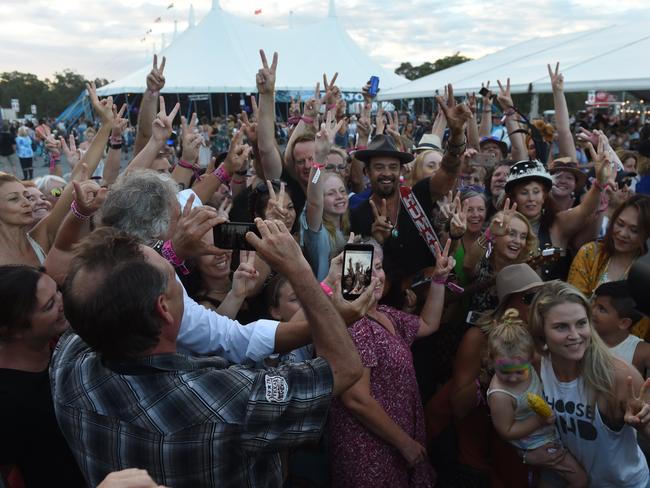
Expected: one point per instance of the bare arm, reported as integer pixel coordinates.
(269, 156)
(114, 156)
(149, 104)
(517, 141)
(328, 331)
(565, 138)
(485, 129)
(473, 139)
(432, 309)
(503, 417)
(467, 368)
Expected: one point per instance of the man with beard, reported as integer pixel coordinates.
(381, 216)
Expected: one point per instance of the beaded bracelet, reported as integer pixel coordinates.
(77, 213)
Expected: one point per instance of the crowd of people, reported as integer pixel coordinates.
(181, 321)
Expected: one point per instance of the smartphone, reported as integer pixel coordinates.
(374, 86)
(483, 159)
(473, 317)
(357, 269)
(483, 91)
(232, 235)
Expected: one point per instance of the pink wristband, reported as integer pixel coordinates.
(331, 106)
(488, 235)
(169, 254)
(222, 174)
(326, 288)
(195, 168)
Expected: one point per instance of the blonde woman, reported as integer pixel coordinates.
(425, 164)
(598, 399)
(508, 240)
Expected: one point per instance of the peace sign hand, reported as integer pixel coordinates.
(162, 125)
(237, 154)
(276, 210)
(71, 153)
(191, 139)
(332, 92)
(637, 410)
(557, 79)
(155, 78)
(245, 276)
(103, 108)
(457, 114)
(458, 222)
(600, 157)
(294, 107)
(504, 98)
(119, 123)
(265, 78)
(444, 262)
(501, 221)
(381, 226)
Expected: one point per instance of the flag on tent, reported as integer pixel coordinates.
(258, 11)
(159, 19)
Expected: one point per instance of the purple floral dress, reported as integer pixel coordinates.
(358, 457)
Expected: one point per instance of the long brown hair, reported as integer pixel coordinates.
(642, 204)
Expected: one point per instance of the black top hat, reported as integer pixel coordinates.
(382, 145)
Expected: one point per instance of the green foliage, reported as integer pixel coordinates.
(414, 72)
(51, 97)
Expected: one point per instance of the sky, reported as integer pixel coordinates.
(111, 38)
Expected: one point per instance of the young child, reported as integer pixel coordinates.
(613, 313)
(510, 351)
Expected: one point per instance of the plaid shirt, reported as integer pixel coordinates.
(188, 421)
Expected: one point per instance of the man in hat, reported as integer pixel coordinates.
(494, 146)
(382, 215)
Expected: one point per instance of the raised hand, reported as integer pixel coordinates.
(357, 308)
(119, 123)
(276, 208)
(265, 78)
(192, 225)
(381, 226)
(250, 127)
(162, 125)
(332, 92)
(458, 220)
(326, 134)
(278, 247)
(245, 276)
(391, 127)
(155, 78)
(237, 154)
(70, 151)
(637, 410)
(363, 122)
(557, 79)
(294, 107)
(471, 101)
(53, 145)
(103, 108)
(191, 139)
(444, 262)
(380, 122)
(88, 196)
(501, 221)
(588, 136)
(367, 97)
(504, 98)
(457, 114)
(487, 98)
(600, 157)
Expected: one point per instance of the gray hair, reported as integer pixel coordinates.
(42, 182)
(465, 195)
(140, 203)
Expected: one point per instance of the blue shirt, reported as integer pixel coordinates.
(24, 147)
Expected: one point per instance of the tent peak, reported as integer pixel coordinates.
(190, 18)
(216, 5)
(331, 11)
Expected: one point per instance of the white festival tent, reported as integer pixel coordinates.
(610, 58)
(221, 55)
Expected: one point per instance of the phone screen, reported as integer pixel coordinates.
(232, 235)
(485, 160)
(357, 269)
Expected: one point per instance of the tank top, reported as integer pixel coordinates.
(625, 350)
(612, 459)
(541, 436)
(40, 254)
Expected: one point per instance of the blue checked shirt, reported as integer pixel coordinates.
(188, 421)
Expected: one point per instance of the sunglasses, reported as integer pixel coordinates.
(56, 192)
(335, 167)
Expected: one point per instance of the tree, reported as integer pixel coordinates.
(26, 87)
(414, 72)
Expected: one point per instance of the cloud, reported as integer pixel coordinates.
(103, 39)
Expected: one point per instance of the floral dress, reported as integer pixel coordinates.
(359, 458)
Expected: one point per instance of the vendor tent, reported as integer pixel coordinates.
(609, 58)
(221, 55)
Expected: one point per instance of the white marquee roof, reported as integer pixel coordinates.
(221, 55)
(608, 58)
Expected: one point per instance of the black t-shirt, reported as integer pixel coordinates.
(407, 253)
(240, 212)
(7, 141)
(29, 434)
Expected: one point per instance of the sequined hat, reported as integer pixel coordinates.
(528, 170)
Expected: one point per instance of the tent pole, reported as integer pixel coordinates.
(211, 115)
(225, 97)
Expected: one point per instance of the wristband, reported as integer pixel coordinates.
(222, 174)
(307, 120)
(115, 146)
(169, 254)
(116, 140)
(326, 288)
(510, 111)
(600, 186)
(77, 213)
(331, 106)
(451, 286)
(194, 167)
(153, 93)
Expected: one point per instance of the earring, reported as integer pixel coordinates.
(545, 348)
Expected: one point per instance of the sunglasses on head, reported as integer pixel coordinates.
(56, 192)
